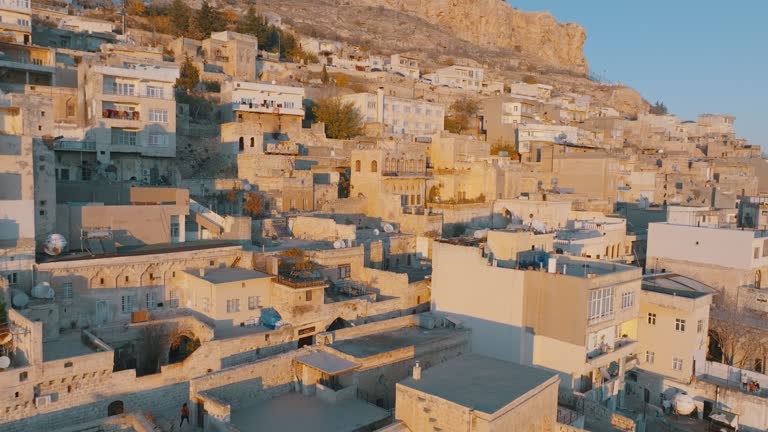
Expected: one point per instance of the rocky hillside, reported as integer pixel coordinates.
(495, 24)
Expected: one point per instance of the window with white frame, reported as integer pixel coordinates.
(650, 357)
(123, 137)
(679, 324)
(158, 115)
(627, 300)
(233, 305)
(155, 92)
(345, 270)
(601, 304)
(288, 104)
(700, 326)
(151, 302)
(125, 89)
(651, 318)
(173, 301)
(66, 288)
(156, 139)
(677, 364)
(254, 302)
(127, 303)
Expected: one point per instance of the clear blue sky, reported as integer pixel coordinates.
(697, 56)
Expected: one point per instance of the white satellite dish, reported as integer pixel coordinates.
(43, 290)
(376, 232)
(54, 244)
(247, 187)
(20, 299)
(481, 233)
(388, 228)
(4, 362)
(539, 226)
(338, 244)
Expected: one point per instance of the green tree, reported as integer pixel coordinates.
(180, 15)
(208, 20)
(324, 77)
(658, 108)
(462, 111)
(254, 204)
(342, 120)
(189, 76)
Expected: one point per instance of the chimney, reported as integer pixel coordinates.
(552, 265)
(417, 371)
(380, 105)
(202, 272)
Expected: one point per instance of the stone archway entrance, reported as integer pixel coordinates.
(115, 408)
(182, 347)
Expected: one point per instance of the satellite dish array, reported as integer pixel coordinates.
(341, 244)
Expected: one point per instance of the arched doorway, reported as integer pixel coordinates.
(115, 408)
(337, 324)
(181, 348)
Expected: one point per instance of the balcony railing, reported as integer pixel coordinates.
(75, 145)
(295, 281)
(152, 95)
(268, 108)
(120, 114)
(606, 349)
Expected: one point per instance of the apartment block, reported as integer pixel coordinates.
(502, 116)
(399, 115)
(404, 65)
(130, 121)
(463, 77)
(16, 21)
(276, 108)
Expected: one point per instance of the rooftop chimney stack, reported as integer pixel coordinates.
(417, 371)
(552, 265)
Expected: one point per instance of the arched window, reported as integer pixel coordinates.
(374, 166)
(357, 166)
(758, 277)
(253, 141)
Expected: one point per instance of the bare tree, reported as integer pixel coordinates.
(736, 330)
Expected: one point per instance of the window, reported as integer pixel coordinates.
(374, 166)
(22, 22)
(677, 364)
(207, 304)
(233, 305)
(600, 304)
(651, 318)
(151, 302)
(650, 356)
(127, 303)
(308, 295)
(357, 166)
(344, 271)
(67, 290)
(700, 326)
(13, 278)
(126, 89)
(155, 92)
(679, 324)
(160, 116)
(627, 300)
(158, 139)
(174, 229)
(123, 137)
(174, 299)
(371, 105)
(254, 302)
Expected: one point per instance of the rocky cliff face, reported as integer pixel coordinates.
(496, 24)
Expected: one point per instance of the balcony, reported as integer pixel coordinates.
(167, 95)
(67, 145)
(16, 5)
(301, 280)
(120, 115)
(621, 349)
(276, 109)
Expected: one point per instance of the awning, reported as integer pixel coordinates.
(327, 363)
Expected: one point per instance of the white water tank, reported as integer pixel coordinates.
(683, 404)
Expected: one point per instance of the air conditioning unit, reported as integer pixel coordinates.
(42, 401)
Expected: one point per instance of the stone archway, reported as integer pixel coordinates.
(115, 408)
(182, 346)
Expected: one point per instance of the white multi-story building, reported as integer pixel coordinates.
(16, 20)
(399, 115)
(464, 77)
(263, 98)
(404, 65)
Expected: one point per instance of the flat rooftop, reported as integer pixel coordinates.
(227, 274)
(295, 412)
(379, 343)
(160, 248)
(675, 284)
(482, 383)
(327, 363)
(65, 346)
